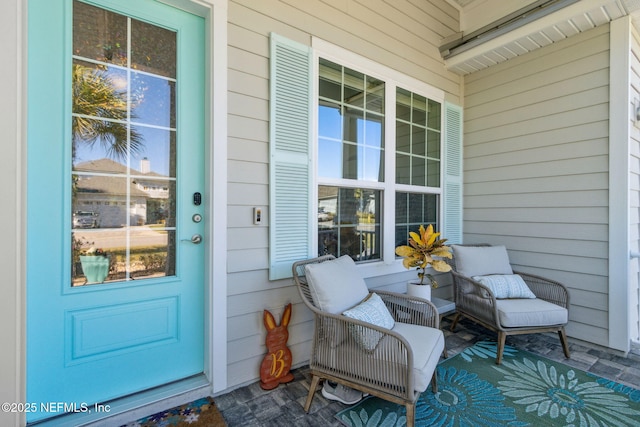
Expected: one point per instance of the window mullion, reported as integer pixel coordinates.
(389, 200)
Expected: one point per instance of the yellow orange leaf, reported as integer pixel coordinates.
(416, 238)
(406, 263)
(411, 262)
(432, 239)
(440, 265)
(405, 251)
(442, 252)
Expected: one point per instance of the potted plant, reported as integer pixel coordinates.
(95, 265)
(423, 247)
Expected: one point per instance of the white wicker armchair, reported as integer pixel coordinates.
(400, 362)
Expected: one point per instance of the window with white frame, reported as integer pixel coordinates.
(360, 155)
(366, 154)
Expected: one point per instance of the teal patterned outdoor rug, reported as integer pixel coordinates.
(525, 390)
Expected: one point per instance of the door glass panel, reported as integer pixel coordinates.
(123, 178)
(153, 49)
(157, 154)
(99, 35)
(154, 102)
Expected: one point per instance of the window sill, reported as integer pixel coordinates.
(380, 268)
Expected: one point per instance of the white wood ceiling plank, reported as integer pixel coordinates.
(568, 28)
(516, 48)
(528, 43)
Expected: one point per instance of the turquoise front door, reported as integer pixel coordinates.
(115, 203)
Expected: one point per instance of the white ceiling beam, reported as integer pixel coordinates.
(566, 22)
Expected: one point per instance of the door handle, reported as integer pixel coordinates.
(195, 239)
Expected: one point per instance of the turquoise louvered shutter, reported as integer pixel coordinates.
(290, 155)
(452, 227)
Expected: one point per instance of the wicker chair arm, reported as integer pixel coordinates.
(546, 289)
(409, 309)
(474, 298)
(391, 356)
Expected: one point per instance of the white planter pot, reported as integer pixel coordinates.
(420, 291)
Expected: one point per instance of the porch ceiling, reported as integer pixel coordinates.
(501, 41)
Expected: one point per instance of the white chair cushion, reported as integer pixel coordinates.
(427, 345)
(516, 313)
(336, 285)
(371, 310)
(506, 285)
(481, 260)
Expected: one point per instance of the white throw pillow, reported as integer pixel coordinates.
(506, 285)
(481, 260)
(374, 311)
(336, 285)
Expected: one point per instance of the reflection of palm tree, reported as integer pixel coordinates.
(100, 114)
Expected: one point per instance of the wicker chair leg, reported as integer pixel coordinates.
(455, 321)
(434, 381)
(312, 389)
(411, 414)
(565, 344)
(502, 338)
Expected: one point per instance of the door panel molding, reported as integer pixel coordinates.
(105, 331)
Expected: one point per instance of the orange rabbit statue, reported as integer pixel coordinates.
(276, 365)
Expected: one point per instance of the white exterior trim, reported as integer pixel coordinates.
(216, 167)
(619, 284)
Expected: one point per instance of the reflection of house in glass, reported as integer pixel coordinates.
(119, 197)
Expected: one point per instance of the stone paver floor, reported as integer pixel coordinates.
(252, 406)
